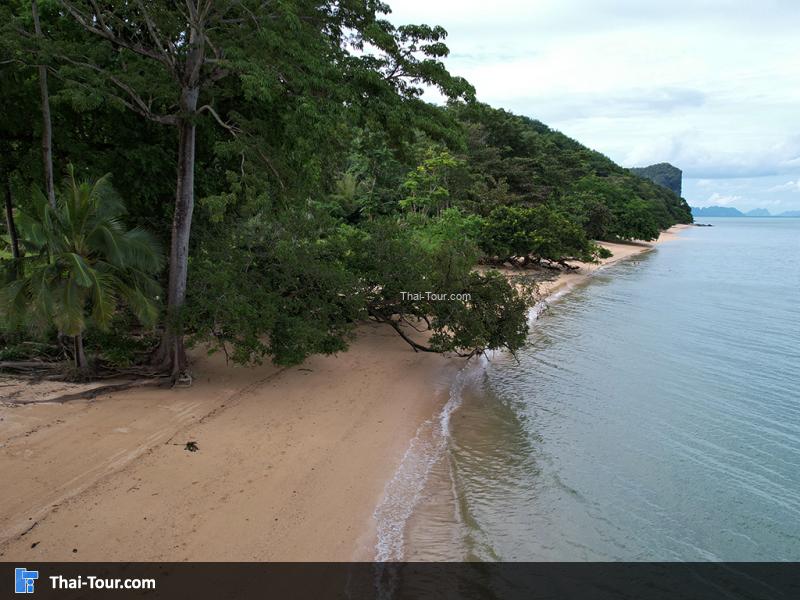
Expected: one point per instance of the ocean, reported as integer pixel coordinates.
(653, 416)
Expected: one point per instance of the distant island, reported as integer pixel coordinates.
(730, 211)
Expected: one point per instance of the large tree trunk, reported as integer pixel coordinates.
(173, 353)
(12, 229)
(47, 125)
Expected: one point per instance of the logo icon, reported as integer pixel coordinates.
(24, 580)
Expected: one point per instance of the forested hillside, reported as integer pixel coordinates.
(263, 176)
(664, 174)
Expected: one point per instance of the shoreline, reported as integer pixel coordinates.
(291, 462)
(400, 507)
(621, 251)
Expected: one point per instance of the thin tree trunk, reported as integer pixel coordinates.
(12, 229)
(47, 125)
(80, 357)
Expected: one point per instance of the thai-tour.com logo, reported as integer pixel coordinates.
(25, 582)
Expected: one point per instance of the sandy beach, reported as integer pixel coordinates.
(619, 252)
(289, 463)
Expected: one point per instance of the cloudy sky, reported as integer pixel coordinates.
(711, 86)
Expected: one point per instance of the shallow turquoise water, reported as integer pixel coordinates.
(655, 415)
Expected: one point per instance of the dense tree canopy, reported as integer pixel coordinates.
(284, 153)
(541, 232)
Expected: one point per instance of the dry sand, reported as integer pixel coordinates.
(619, 252)
(290, 462)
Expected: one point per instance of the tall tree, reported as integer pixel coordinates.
(168, 55)
(47, 123)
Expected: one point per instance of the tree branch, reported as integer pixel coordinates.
(396, 326)
(135, 102)
(161, 44)
(234, 131)
(268, 162)
(102, 30)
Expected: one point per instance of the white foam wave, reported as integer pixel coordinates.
(405, 489)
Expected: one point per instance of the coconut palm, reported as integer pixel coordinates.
(82, 262)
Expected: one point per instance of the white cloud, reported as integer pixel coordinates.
(711, 86)
(717, 199)
(791, 186)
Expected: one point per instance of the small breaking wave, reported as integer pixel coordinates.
(405, 489)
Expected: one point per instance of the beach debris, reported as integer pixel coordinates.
(184, 379)
(191, 446)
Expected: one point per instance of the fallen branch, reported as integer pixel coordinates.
(94, 392)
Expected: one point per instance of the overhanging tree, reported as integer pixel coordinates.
(168, 60)
(540, 233)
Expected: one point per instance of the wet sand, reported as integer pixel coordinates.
(290, 463)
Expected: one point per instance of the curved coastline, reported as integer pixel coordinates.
(428, 447)
(292, 463)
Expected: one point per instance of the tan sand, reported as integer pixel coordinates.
(290, 463)
(290, 466)
(620, 252)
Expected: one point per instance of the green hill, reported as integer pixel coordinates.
(536, 164)
(664, 174)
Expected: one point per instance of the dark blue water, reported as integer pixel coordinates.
(655, 415)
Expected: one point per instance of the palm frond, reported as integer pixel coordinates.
(70, 304)
(80, 271)
(145, 309)
(107, 203)
(106, 237)
(142, 251)
(81, 260)
(104, 298)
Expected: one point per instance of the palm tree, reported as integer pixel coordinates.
(82, 261)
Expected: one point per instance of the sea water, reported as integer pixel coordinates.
(654, 415)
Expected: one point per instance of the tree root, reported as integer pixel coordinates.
(62, 371)
(94, 392)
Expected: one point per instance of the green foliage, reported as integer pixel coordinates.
(663, 174)
(275, 287)
(603, 252)
(611, 208)
(116, 347)
(516, 161)
(467, 312)
(299, 285)
(589, 210)
(539, 232)
(427, 187)
(81, 262)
